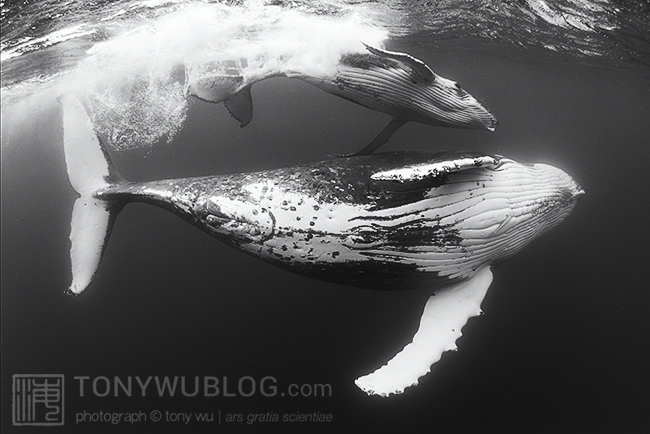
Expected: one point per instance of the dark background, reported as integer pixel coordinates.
(563, 344)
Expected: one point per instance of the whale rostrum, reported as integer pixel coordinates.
(394, 83)
(394, 220)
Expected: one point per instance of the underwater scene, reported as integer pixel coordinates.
(278, 216)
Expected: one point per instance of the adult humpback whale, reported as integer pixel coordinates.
(389, 82)
(392, 220)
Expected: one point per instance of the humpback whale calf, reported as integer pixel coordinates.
(389, 82)
(385, 221)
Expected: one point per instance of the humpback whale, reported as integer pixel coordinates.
(395, 220)
(394, 83)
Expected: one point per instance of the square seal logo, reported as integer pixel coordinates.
(38, 399)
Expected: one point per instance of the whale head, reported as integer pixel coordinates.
(444, 102)
(544, 201)
(524, 201)
(411, 92)
(485, 208)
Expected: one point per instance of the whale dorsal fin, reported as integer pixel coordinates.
(240, 105)
(445, 314)
(436, 169)
(420, 68)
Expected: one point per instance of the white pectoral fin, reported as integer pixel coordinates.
(444, 315)
(436, 168)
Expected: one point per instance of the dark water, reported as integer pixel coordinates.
(562, 346)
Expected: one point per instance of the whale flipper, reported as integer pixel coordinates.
(382, 138)
(418, 66)
(89, 169)
(444, 315)
(432, 170)
(240, 106)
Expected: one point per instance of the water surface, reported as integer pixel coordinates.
(562, 346)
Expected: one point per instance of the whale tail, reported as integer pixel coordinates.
(89, 171)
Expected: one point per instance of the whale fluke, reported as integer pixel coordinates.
(213, 88)
(240, 106)
(444, 316)
(89, 169)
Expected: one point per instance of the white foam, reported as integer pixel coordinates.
(56, 37)
(132, 83)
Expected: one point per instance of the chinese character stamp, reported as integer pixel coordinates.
(38, 399)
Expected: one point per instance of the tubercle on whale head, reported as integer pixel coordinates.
(563, 199)
(543, 196)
